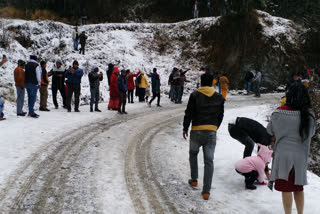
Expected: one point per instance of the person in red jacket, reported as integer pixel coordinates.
(114, 91)
(131, 86)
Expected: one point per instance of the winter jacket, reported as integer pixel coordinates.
(33, 73)
(258, 77)
(114, 90)
(122, 83)
(143, 83)
(83, 39)
(130, 80)
(248, 127)
(224, 83)
(75, 35)
(19, 77)
(44, 77)
(205, 109)
(94, 79)
(74, 78)
(257, 163)
(290, 150)
(249, 76)
(58, 76)
(176, 78)
(156, 84)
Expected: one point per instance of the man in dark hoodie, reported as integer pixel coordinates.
(249, 132)
(205, 110)
(94, 79)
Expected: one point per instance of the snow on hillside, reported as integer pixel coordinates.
(134, 45)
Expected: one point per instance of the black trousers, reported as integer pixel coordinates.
(155, 94)
(82, 49)
(250, 177)
(122, 101)
(76, 90)
(62, 91)
(130, 96)
(243, 138)
(142, 94)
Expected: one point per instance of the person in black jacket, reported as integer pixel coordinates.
(248, 78)
(109, 72)
(205, 110)
(248, 132)
(123, 88)
(94, 79)
(58, 72)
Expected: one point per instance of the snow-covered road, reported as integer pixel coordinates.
(109, 163)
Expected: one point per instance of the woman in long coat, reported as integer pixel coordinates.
(114, 91)
(292, 127)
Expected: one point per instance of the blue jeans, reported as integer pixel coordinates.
(75, 44)
(206, 139)
(248, 86)
(20, 99)
(32, 90)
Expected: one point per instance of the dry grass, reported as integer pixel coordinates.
(15, 13)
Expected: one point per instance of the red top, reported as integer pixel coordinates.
(286, 107)
(130, 80)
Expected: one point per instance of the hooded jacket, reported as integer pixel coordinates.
(144, 82)
(257, 163)
(94, 78)
(19, 77)
(114, 90)
(74, 78)
(205, 110)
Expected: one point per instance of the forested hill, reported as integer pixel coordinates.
(100, 11)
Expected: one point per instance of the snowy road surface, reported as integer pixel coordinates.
(136, 163)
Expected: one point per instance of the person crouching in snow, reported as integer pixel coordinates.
(1, 109)
(123, 88)
(253, 168)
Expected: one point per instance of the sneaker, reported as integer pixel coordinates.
(56, 107)
(46, 109)
(124, 112)
(42, 109)
(159, 105)
(22, 114)
(76, 110)
(98, 110)
(2, 118)
(65, 107)
(119, 112)
(205, 195)
(193, 183)
(91, 110)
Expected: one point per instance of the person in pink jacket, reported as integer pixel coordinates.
(253, 168)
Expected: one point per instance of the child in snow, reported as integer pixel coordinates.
(253, 168)
(1, 109)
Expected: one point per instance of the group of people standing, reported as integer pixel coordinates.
(286, 139)
(122, 85)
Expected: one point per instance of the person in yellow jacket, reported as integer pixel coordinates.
(224, 84)
(143, 84)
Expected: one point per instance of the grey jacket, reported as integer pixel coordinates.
(290, 151)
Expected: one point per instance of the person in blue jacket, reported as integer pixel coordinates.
(123, 88)
(74, 75)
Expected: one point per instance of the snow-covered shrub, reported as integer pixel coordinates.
(5, 38)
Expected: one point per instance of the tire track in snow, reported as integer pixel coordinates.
(35, 187)
(145, 191)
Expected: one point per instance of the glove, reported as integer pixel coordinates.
(270, 185)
